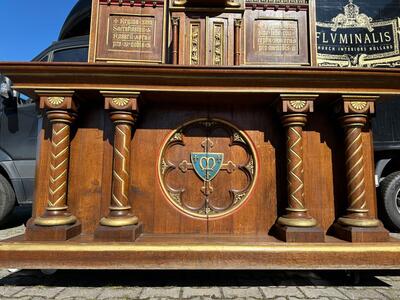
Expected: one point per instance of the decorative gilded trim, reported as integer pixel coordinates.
(121, 102)
(218, 44)
(298, 104)
(194, 43)
(392, 248)
(56, 100)
(359, 105)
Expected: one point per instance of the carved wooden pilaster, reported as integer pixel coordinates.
(355, 113)
(121, 223)
(294, 110)
(175, 40)
(238, 25)
(61, 112)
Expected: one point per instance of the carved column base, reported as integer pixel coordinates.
(296, 218)
(292, 234)
(361, 234)
(55, 218)
(359, 219)
(36, 232)
(118, 234)
(119, 218)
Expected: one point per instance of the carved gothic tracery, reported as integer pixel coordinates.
(196, 162)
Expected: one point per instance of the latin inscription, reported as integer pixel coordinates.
(275, 37)
(131, 33)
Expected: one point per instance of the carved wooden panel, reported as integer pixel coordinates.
(217, 29)
(129, 31)
(276, 36)
(205, 38)
(207, 168)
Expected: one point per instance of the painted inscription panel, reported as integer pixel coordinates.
(131, 33)
(275, 37)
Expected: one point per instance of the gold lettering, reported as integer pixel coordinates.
(132, 32)
(274, 36)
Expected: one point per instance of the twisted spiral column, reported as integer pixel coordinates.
(296, 212)
(357, 211)
(56, 210)
(120, 208)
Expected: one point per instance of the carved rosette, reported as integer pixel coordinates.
(294, 118)
(123, 113)
(356, 110)
(60, 111)
(207, 168)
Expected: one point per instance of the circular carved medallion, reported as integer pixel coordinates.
(207, 168)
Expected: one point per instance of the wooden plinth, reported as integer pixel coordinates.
(151, 251)
(118, 234)
(360, 234)
(299, 234)
(51, 233)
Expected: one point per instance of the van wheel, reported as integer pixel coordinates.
(390, 190)
(7, 198)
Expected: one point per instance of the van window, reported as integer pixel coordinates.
(71, 55)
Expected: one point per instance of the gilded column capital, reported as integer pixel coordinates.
(296, 103)
(57, 100)
(121, 101)
(357, 104)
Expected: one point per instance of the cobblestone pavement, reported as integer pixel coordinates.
(168, 285)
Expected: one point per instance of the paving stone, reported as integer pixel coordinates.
(79, 293)
(246, 292)
(161, 292)
(40, 291)
(11, 232)
(316, 292)
(320, 298)
(8, 291)
(212, 292)
(361, 293)
(120, 292)
(389, 293)
(275, 291)
(25, 298)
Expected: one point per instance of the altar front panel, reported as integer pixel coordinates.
(255, 115)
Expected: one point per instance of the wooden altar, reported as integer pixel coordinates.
(202, 155)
